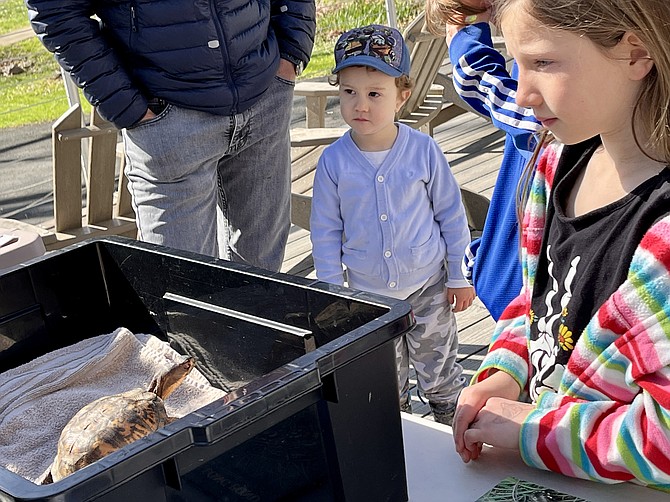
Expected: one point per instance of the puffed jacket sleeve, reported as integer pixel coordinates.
(67, 30)
(294, 23)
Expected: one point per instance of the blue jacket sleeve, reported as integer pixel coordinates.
(294, 23)
(67, 30)
(482, 80)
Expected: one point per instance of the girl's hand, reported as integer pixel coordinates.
(463, 20)
(460, 298)
(498, 423)
(471, 401)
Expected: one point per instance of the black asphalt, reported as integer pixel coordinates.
(25, 173)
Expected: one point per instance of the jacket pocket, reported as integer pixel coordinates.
(290, 83)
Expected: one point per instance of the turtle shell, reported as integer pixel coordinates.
(106, 425)
(112, 422)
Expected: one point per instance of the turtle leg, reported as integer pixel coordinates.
(48, 479)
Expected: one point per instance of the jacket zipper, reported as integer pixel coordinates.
(133, 18)
(226, 59)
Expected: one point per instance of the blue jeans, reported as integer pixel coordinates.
(215, 185)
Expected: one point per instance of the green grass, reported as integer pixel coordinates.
(13, 15)
(37, 95)
(336, 16)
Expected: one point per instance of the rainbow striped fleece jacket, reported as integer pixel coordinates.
(610, 420)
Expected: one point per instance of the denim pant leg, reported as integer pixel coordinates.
(431, 346)
(255, 180)
(172, 177)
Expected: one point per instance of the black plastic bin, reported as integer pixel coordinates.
(313, 410)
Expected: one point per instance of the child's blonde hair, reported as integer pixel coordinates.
(441, 12)
(605, 22)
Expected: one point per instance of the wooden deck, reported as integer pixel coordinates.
(474, 150)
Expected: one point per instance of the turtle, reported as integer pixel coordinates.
(112, 422)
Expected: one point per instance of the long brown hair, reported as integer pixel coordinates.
(605, 22)
(441, 12)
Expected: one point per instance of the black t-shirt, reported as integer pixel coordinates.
(583, 260)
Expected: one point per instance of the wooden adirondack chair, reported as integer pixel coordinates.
(107, 209)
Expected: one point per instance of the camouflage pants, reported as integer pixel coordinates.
(431, 346)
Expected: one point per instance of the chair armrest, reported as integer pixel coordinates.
(301, 210)
(315, 136)
(313, 89)
(316, 95)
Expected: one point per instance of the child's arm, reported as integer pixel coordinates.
(326, 227)
(609, 421)
(481, 79)
(503, 373)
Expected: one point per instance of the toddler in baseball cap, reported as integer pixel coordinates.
(377, 46)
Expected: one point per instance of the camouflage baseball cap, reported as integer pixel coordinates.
(377, 46)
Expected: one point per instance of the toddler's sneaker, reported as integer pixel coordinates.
(443, 413)
(406, 406)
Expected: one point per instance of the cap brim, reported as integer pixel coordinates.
(370, 61)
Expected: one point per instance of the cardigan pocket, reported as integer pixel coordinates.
(358, 261)
(422, 255)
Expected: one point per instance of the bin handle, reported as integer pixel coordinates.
(287, 328)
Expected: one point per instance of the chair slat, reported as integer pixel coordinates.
(67, 172)
(101, 167)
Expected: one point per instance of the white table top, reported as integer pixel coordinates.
(435, 472)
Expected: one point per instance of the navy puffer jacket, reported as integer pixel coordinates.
(217, 56)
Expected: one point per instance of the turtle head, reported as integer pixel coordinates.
(165, 383)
